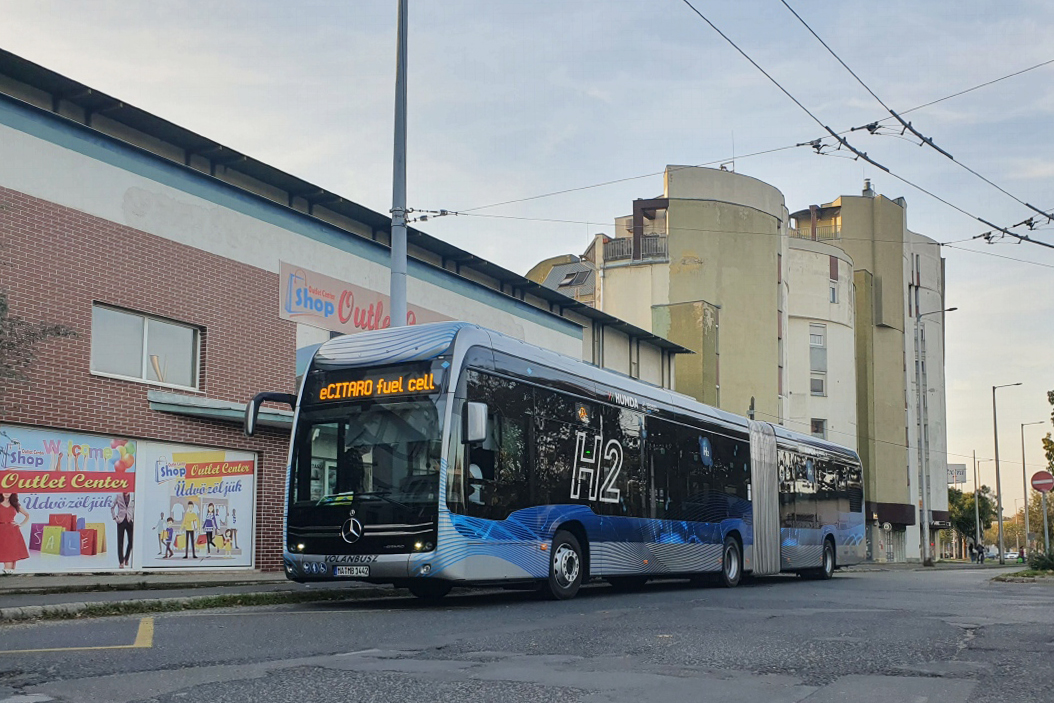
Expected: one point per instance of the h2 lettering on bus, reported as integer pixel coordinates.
(600, 470)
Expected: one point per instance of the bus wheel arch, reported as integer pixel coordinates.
(579, 531)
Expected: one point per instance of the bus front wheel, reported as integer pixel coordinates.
(429, 589)
(565, 567)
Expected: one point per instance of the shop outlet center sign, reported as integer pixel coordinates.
(321, 301)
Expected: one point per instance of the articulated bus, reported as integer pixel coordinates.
(447, 454)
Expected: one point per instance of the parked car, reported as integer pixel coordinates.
(1010, 555)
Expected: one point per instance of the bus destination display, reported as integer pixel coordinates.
(391, 384)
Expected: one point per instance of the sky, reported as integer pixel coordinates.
(511, 100)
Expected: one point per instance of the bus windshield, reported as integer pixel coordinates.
(367, 451)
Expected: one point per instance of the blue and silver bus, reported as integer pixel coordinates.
(447, 454)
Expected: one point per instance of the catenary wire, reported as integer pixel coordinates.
(757, 153)
(907, 125)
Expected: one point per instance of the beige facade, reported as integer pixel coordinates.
(699, 266)
(820, 372)
(889, 264)
(808, 319)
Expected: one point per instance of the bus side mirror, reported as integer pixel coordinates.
(252, 408)
(475, 424)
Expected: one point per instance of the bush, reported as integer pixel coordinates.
(1038, 561)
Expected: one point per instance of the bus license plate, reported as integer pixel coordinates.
(362, 571)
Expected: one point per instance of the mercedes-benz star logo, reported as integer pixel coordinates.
(351, 530)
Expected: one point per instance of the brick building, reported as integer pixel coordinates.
(193, 277)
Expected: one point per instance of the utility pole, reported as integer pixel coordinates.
(1024, 477)
(998, 482)
(976, 503)
(398, 242)
(924, 489)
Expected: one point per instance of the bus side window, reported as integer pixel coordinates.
(496, 481)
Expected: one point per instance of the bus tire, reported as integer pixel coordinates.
(429, 589)
(565, 567)
(626, 584)
(731, 562)
(826, 570)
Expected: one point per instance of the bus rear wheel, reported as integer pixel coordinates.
(731, 563)
(826, 570)
(429, 589)
(565, 567)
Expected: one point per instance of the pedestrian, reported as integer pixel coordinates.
(980, 555)
(973, 553)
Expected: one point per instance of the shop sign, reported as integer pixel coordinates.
(320, 301)
(197, 507)
(67, 501)
(71, 502)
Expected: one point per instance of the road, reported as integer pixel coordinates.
(936, 636)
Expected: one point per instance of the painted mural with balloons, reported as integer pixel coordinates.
(67, 501)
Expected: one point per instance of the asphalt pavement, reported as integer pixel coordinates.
(933, 636)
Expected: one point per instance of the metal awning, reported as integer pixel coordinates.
(211, 409)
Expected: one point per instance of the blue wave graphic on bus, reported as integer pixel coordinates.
(618, 545)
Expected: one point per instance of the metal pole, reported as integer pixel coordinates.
(924, 512)
(998, 483)
(1046, 530)
(1024, 477)
(1024, 485)
(976, 503)
(398, 262)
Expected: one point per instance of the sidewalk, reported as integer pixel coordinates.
(26, 596)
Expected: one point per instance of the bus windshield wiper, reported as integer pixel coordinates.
(383, 495)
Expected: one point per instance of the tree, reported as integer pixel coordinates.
(19, 340)
(961, 512)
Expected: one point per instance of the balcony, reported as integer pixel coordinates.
(823, 232)
(652, 248)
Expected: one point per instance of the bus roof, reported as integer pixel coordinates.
(396, 345)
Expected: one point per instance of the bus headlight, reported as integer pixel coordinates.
(419, 546)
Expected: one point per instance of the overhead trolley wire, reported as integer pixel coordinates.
(860, 154)
(907, 126)
(756, 153)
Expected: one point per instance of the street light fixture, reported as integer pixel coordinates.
(1024, 476)
(998, 482)
(924, 507)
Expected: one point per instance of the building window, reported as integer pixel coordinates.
(834, 293)
(818, 384)
(575, 278)
(144, 348)
(818, 359)
(818, 335)
(818, 428)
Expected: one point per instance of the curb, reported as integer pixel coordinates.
(62, 611)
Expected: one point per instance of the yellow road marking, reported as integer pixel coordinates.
(144, 639)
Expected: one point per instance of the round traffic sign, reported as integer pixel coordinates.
(1042, 481)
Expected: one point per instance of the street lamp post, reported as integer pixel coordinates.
(924, 505)
(1024, 476)
(998, 482)
(398, 237)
